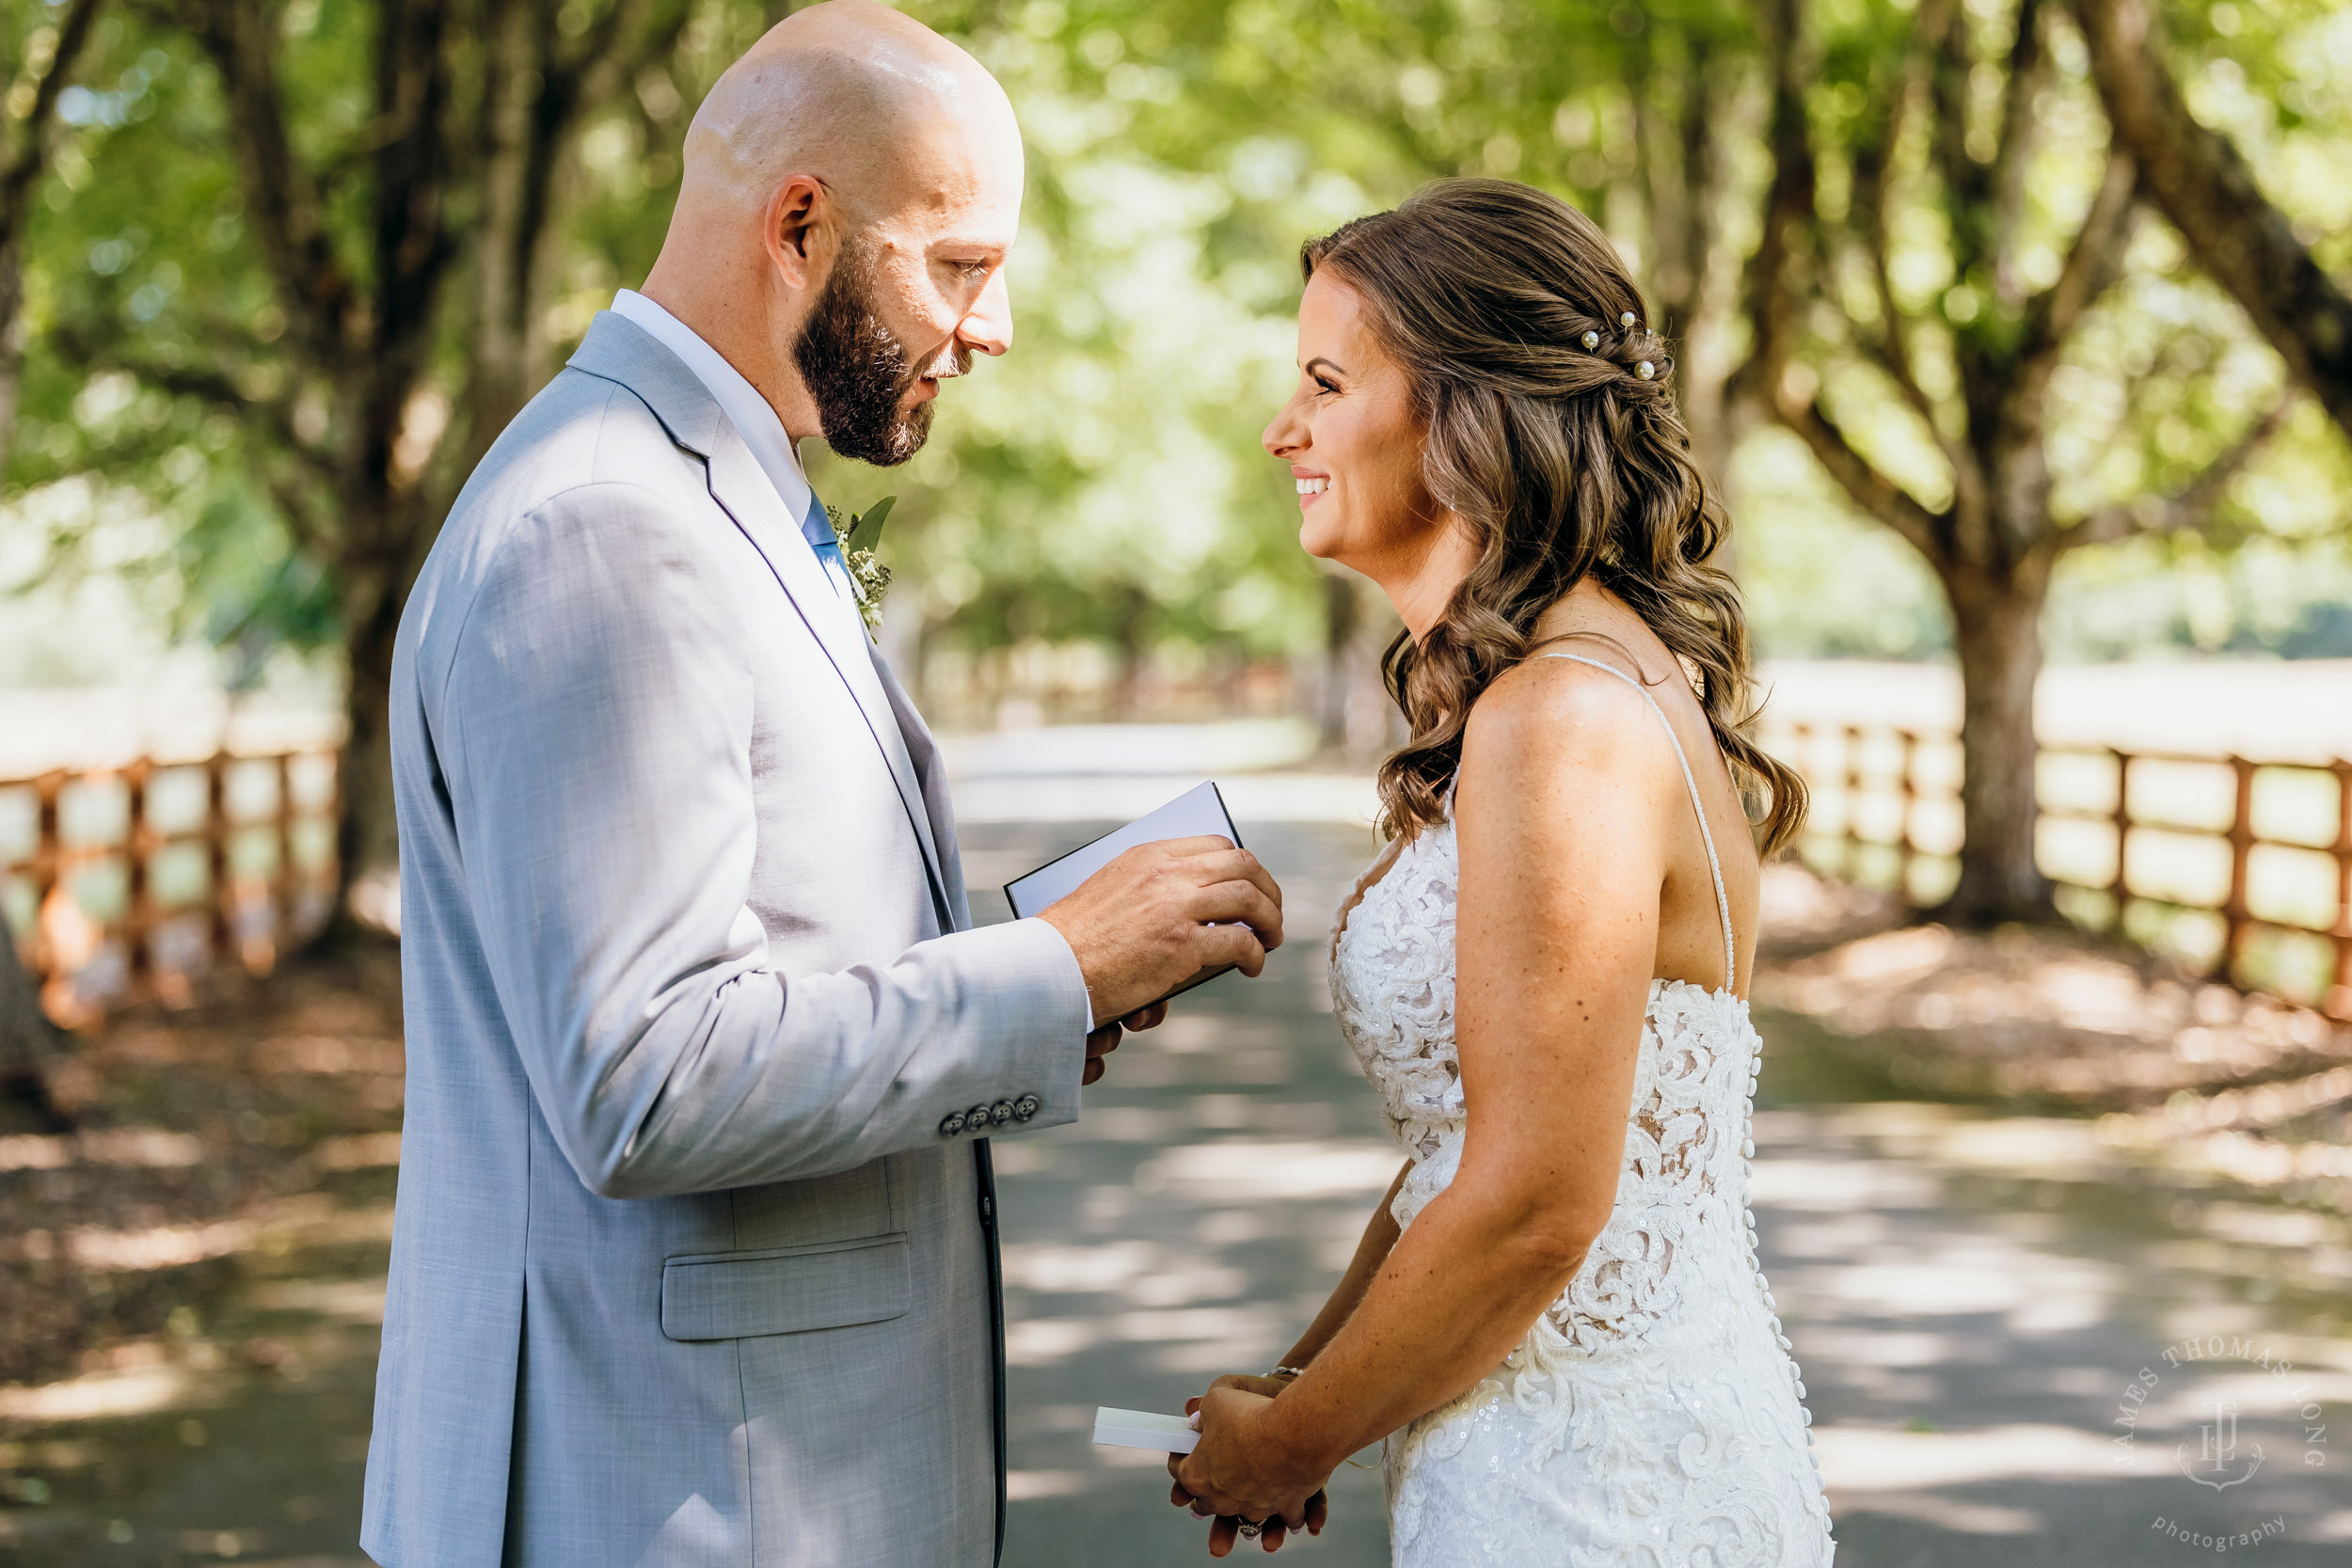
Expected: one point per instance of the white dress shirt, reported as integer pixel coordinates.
(753, 416)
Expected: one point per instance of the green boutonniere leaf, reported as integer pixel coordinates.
(865, 527)
(858, 533)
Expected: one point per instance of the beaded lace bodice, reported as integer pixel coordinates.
(1683, 1188)
(1661, 1368)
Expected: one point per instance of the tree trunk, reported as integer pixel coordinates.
(534, 110)
(28, 1040)
(367, 834)
(1342, 613)
(504, 305)
(1375, 724)
(367, 831)
(1996, 623)
(11, 344)
(1131, 619)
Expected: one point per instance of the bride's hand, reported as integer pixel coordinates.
(1242, 1471)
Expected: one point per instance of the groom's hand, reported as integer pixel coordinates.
(1163, 912)
(1102, 1042)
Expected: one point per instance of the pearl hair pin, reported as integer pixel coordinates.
(1592, 340)
(1626, 320)
(1646, 370)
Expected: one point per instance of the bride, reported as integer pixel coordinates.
(1556, 1315)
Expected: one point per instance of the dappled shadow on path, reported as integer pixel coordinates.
(194, 1281)
(1973, 1285)
(1981, 1304)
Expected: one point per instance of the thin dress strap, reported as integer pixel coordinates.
(1714, 865)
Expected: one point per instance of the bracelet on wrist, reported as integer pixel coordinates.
(1288, 1371)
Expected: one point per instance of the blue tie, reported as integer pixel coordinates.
(817, 529)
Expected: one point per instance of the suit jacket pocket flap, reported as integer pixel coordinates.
(734, 1295)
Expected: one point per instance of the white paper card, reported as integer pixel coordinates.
(1141, 1429)
(1191, 814)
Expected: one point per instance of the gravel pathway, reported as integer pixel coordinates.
(1973, 1298)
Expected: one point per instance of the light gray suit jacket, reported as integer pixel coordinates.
(693, 1262)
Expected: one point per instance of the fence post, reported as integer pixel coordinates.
(333, 812)
(287, 887)
(48, 866)
(2234, 910)
(1855, 842)
(138, 849)
(224, 927)
(2339, 999)
(1907, 786)
(1800, 758)
(2121, 888)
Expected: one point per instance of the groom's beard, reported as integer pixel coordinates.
(857, 373)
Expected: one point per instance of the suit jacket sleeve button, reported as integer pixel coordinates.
(951, 1124)
(976, 1117)
(1001, 1113)
(1025, 1107)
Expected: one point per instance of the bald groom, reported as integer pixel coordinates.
(694, 1261)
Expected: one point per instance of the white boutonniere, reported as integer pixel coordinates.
(859, 532)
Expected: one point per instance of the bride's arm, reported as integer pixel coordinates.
(1562, 833)
(1380, 1233)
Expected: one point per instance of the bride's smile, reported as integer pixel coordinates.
(1353, 439)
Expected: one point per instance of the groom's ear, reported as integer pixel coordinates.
(799, 231)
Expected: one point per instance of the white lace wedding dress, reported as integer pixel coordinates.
(1651, 1416)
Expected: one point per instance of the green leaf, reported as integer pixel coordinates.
(865, 527)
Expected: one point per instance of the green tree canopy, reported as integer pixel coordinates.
(294, 262)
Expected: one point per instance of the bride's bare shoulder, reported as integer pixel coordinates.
(1551, 717)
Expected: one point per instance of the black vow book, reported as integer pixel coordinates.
(1192, 815)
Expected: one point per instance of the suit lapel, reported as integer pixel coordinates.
(738, 485)
(931, 770)
(618, 349)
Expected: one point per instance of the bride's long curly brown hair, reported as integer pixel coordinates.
(1507, 310)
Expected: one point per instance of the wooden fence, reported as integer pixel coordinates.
(125, 883)
(2246, 850)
